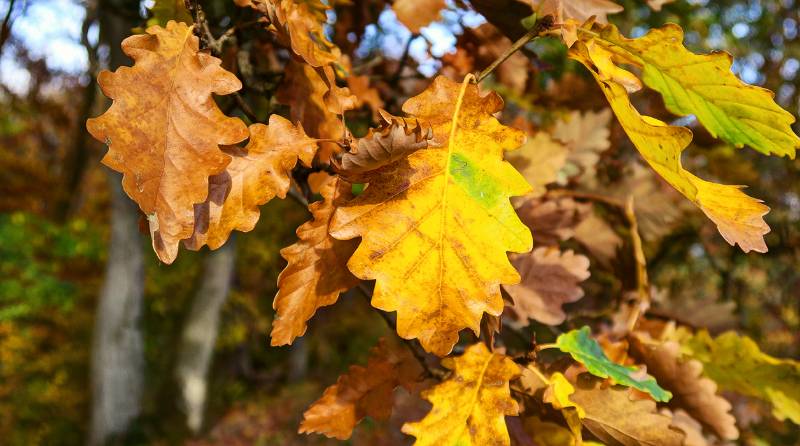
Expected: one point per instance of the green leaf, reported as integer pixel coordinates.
(737, 364)
(580, 345)
(703, 85)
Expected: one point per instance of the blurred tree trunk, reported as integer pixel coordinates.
(117, 350)
(117, 347)
(200, 332)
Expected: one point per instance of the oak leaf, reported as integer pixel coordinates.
(585, 135)
(580, 345)
(365, 94)
(469, 408)
(256, 174)
(549, 280)
(553, 220)
(580, 10)
(300, 26)
(704, 86)
(416, 14)
(316, 272)
(164, 130)
(691, 391)
(436, 226)
(598, 237)
(303, 90)
(738, 217)
(736, 364)
(361, 392)
(396, 138)
(617, 420)
(539, 160)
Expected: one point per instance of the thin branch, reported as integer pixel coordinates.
(403, 60)
(433, 372)
(541, 25)
(5, 31)
(245, 107)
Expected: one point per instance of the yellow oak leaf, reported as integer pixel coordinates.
(256, 174)
(704, 86)
(469, 409)
(316, 272)
(164, 129)
(436, 226)
(738, 217)
(363, 391)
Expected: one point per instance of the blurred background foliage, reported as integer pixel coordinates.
(55, 210)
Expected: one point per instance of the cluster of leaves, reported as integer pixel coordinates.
(422, 205)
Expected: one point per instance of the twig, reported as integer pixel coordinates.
(403, 60)
(541, 25)
(432, 372)
(298, 196)
(5, 31)
(245, 107)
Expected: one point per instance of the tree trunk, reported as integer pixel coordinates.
(117, 351)
(117, 347)
(200, 333)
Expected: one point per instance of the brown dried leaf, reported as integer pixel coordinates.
(617, 420)
(553, 220)
(580, 10)
(365, 95)
(586, 135)
(300, 26)
(396, 138)
(363, 391)
(416, 14)
(164, 130)
(539, 160)
(691, 391)
(598, 237)
(304, 90)
(689, 426)
(316, 272)
(257, 173)
(549, 279)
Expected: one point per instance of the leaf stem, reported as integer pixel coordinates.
(540, 347)
(543, 24)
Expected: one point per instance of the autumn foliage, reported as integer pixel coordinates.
(453, 216)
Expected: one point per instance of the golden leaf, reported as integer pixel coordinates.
(164, 130)
(469, 409)
(363, 391)
(738, 216)
(257, 173)
(436, 226)
(300, 26)
(316, 272)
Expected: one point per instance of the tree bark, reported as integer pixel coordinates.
(117, 347)
(200, 330)
(117, 350)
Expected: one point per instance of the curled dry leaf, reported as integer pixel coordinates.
(416, 14)
(363, 391)
(691, 391)
(470, 407)
(444, 209)
(316, 272)
(164, 130)
(256, 174)
(549, 280)
(304, 90)
(617, 420)
(396, 138)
